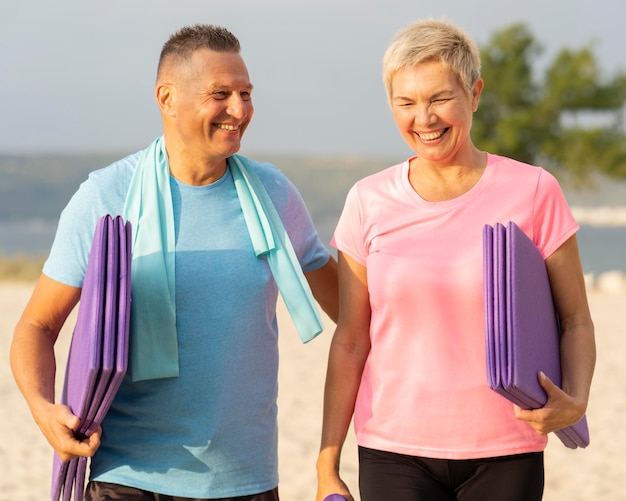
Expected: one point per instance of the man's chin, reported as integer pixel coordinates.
(234, 148)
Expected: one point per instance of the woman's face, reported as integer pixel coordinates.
(433, 112)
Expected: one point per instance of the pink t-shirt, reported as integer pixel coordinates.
(424, 388)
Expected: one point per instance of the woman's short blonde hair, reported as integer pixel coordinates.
(432, 40)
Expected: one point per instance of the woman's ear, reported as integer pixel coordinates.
(477, 89)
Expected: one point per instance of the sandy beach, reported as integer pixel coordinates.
(596, 473)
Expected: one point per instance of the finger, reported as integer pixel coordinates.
(553, 391)
(86, 447)
(532, 416)
(94, 440)
(526, 415)
(545, 381)
(67, 419)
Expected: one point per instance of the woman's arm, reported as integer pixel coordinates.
(567, 406)
(348, 352)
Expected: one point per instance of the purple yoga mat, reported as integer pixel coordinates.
(521, 325)
(98, 356)
(106, 365)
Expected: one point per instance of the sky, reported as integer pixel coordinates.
(78, 76)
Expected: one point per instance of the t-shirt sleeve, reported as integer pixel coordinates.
(554, 221)
(67, 261)
(309, 248)
(103, 192)
(348, 237)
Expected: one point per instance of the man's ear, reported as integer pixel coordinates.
(165, 97)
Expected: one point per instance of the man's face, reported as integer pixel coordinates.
(213, 104)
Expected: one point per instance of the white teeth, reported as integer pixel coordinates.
(227, 127)
(430, 136)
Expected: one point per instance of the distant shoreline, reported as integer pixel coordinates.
(593, 215)
(602, 241)
(610, 216)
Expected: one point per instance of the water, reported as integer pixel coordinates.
(34, 189)
(602, 248)
(31, 238)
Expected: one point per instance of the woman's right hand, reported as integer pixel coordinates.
(329, 486)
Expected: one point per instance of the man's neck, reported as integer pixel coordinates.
(190, 168)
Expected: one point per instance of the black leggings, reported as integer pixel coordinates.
(397, 477)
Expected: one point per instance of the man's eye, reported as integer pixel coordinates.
(220, 94)
(246, 96)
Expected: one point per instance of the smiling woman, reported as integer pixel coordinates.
(433, 113)
(408, 355)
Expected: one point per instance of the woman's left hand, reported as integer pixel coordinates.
(561, 410)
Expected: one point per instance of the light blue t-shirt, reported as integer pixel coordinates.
(211, 432)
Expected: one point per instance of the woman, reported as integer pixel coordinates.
(408, 355)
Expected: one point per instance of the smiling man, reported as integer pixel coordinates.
(195, 417)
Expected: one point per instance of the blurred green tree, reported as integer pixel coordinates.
(570, 120)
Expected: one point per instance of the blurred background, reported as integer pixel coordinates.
(77, 84)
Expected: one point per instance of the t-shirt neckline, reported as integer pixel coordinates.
(463, 199)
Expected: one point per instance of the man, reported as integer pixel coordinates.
(204, 428)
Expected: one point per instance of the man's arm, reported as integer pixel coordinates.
(34, 366)
(323, 283)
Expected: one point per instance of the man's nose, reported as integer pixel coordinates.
(236, 106)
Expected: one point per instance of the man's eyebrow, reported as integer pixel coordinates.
(221, 87)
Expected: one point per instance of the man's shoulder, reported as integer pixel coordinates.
(106, 187)
(118, 171)
(274, 180)
(265, 170)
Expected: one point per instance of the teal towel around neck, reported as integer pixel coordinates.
(270, 239)
(153, 350)
(148, 205)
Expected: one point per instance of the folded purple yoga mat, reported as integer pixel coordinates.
(521, 325)
(98, 356)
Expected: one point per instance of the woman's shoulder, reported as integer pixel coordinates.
(505, 170)
(381, 179)
(512, 166)
(517, 170)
